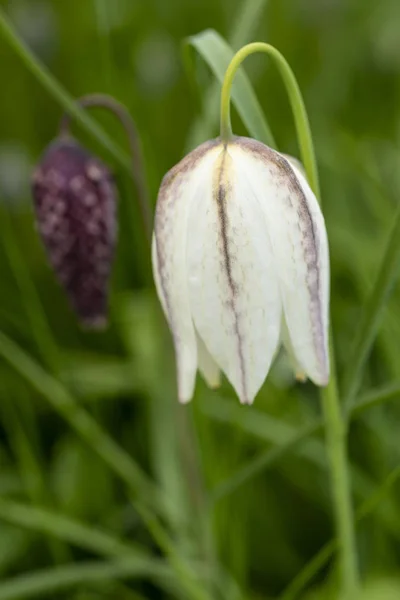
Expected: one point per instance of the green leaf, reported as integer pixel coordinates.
(217, 53)
(372, 313)
(80, 420)
(59, 94)
(75, 474)
(21, 434)
(381, 589)
(10, 482)
(120, 462)
(286, 437)
(246, 22)
(139, 322)
(376, 397)
(313, 567)
(67, 529)
(14, 544)
(97, 377)
(47, 582)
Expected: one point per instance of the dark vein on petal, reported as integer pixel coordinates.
(310, 248)
(221, 196)
(168, 196)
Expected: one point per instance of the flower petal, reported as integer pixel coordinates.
(207, 365)
(287, 344)
(157, 277)
(297, 231)
(177, 191)
(233, 289)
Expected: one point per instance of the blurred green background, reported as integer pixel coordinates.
(108, 488)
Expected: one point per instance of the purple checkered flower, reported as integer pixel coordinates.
(75, 204)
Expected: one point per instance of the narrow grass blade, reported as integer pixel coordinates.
(376, 397)
(117, 459)
(264, 460)
(47, 582)
(373, 308)
(30, 465)
(312, 568)
(59, 94)
(79, 419)
(246, 22)
(67, 529)
(271, 456)
(42, 334)
(217, 53)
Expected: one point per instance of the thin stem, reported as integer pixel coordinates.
(138, 171)
(334, 421)
(388, 273)
(336, 432)
(310, 570)
(80, 421)
(186, 575)
(269, 458)
(46, 583)
(302, 124)
(56, 90)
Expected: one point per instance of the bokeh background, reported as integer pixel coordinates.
(243, 508)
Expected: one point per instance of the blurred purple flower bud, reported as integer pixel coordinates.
(75, 203)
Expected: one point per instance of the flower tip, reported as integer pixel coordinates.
(301, 377)
(322, 380)
(213, 380)
(245, 400)
(214, 385)
(184, 398)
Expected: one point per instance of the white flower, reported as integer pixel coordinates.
(240, 260)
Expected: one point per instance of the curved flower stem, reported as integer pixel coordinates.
(334, 421)
(138, 172)
(296, 102)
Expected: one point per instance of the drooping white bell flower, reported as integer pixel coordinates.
(240, 260)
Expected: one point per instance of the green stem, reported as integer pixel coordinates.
(74, 109)
(334, 421)
(186, 575)
(336, 432)
(314, 566)
(56, 90)
(138, 170)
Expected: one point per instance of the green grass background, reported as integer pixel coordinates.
(108, 488)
